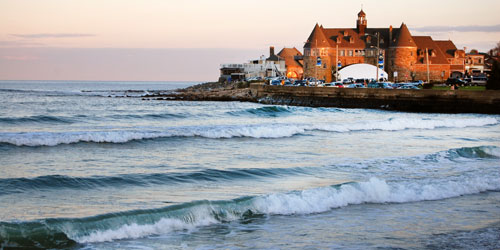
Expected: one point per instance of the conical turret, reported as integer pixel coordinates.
(404, 38)
(317, 39)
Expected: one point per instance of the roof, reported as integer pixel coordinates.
(317, 39)
(361, 14)
(426, 42)
(404, 37)
(344, 36)
(447, 47)
(289, 55)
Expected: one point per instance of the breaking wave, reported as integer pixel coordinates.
(50, 182)
(265, 111)
(63, 233)
(275, 130)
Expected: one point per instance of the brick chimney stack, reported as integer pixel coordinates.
(271, 51)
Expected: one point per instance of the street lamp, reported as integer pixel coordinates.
(379, 58)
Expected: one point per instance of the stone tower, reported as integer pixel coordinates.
(402, 55)
(317, 47)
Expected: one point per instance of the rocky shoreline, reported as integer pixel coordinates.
(210, 91)
(424, 101)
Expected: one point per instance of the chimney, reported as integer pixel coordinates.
(271, 51)
(390, 35)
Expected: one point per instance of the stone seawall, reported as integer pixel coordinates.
(436, 101)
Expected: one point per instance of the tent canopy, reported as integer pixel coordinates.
(361, 71)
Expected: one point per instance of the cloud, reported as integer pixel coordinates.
(19, 44)
(20, 58)
(53, 35)
(464, 28)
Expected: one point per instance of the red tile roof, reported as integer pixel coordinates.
(426, 42)
(289, 55)
(404, 38)
(448, 47)
(317, 39)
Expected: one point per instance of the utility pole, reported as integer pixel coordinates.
(427, 60)
(337, 64)
(377, 57)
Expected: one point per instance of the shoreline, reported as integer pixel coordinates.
(421, 101)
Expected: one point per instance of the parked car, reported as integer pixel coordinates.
(256, 78)
(275, 82)
(455, 81)
(478, 81)
(338, 85)
(405, 86)
(300, 83)
(356, 85)
(381, 85)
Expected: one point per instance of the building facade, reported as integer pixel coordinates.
(403, 56)
(272, 66)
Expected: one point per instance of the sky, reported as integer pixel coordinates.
(171, 40)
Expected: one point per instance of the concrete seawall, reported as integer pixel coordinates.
(436, 101)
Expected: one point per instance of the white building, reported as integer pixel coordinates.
(271, 67)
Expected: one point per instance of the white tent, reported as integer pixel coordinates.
(361, 71)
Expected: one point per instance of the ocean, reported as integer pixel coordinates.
(91, 165)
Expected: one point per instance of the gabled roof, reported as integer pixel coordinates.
(361, 14)
(289, 55)
(317, 39)
(404, 38)
(426, 42)
(344, 35)
(448, 47)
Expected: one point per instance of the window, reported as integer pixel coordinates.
(349, 52)
(323, 52)
(324, 65)
(342, 53)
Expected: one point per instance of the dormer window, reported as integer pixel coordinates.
(351, 39)
(381, 40)
(368, 39)
(345, 33)
(339, 40)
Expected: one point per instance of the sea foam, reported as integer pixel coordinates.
(308, 201)
(273, 130)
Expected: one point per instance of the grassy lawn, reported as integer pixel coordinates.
(471, 88)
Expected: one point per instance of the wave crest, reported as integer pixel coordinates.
(188, 216)
(275, 130)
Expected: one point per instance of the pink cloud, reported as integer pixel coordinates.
(20, 58)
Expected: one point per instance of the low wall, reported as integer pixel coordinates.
(423, 100)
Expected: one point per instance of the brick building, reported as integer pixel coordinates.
(394, 49)
(293, 62)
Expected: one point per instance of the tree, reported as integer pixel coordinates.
(494, 80)
(495, 51)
